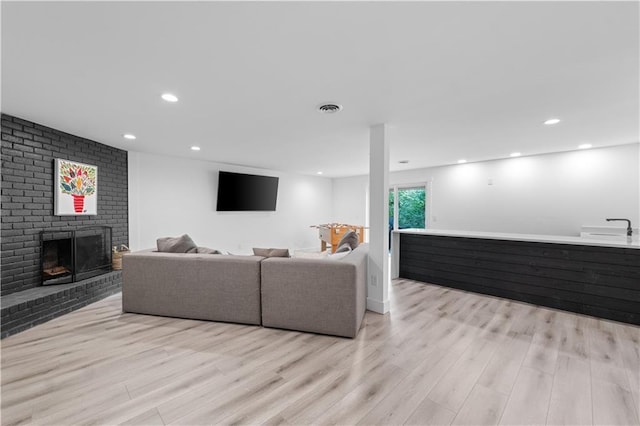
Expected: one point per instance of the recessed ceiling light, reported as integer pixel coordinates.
(552, 121)
(319, 173)
(462, 161)
(129, 136)
(195, 148)
(329, 108)
(169, 97)
(515, 154)
(403, 161)
(585, 146)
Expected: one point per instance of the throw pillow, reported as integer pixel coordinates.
(181, 244)
(279, 253)
(344, 247)
(207, 250)
(271, 252)
(350, 238)
(264, 252)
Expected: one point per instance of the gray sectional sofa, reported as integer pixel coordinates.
(314, 295)
(189, 285)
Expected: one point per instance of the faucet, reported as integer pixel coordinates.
(629, 230)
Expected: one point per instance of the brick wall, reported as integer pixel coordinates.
(28, 151)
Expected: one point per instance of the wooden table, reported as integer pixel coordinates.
(332, 233)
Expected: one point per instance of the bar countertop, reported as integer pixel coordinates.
(554, 239)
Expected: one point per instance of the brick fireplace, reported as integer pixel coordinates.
(28, 153)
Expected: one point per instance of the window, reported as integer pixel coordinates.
(408, 207)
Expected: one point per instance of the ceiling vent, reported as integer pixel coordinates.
(329, 108)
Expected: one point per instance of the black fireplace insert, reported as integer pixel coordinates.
(69, 256)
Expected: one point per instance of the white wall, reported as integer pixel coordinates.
(171, 196)
(350, 200)
(545, 194)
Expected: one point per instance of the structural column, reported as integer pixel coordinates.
(378, 279)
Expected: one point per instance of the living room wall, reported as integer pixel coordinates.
(541, 194)
(170, 196)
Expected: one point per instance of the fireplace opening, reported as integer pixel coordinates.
(69, 256)
(57, 258)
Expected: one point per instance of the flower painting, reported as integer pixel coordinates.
(76, 189)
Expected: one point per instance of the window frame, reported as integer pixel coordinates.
(428, 204)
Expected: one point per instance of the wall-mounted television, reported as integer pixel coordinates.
(241, 192)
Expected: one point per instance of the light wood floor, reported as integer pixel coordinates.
(441, 356)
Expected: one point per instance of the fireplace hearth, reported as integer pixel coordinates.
(69, 256)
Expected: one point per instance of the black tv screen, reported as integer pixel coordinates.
(240, 192)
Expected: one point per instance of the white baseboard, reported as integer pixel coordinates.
(378, 306)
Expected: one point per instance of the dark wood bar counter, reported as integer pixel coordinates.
(593, 277)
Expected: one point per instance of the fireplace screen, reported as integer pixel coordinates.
(69, 256)
(92, 252)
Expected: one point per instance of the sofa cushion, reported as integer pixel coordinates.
(207, 250)
(271, 252)
(339, 256)
(315, 295)
(343, 248)
(181, 244)
(302, 254)
(198, 286)
(350, 238)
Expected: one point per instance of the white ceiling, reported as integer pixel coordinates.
(470, 80)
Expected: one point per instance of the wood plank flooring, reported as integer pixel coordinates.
(442, 356)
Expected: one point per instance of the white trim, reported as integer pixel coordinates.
(378, 306)
(396, 209)
(428, 205)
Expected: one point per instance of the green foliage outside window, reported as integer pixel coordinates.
(411, 208)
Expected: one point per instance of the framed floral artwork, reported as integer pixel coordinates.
(76, 189)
